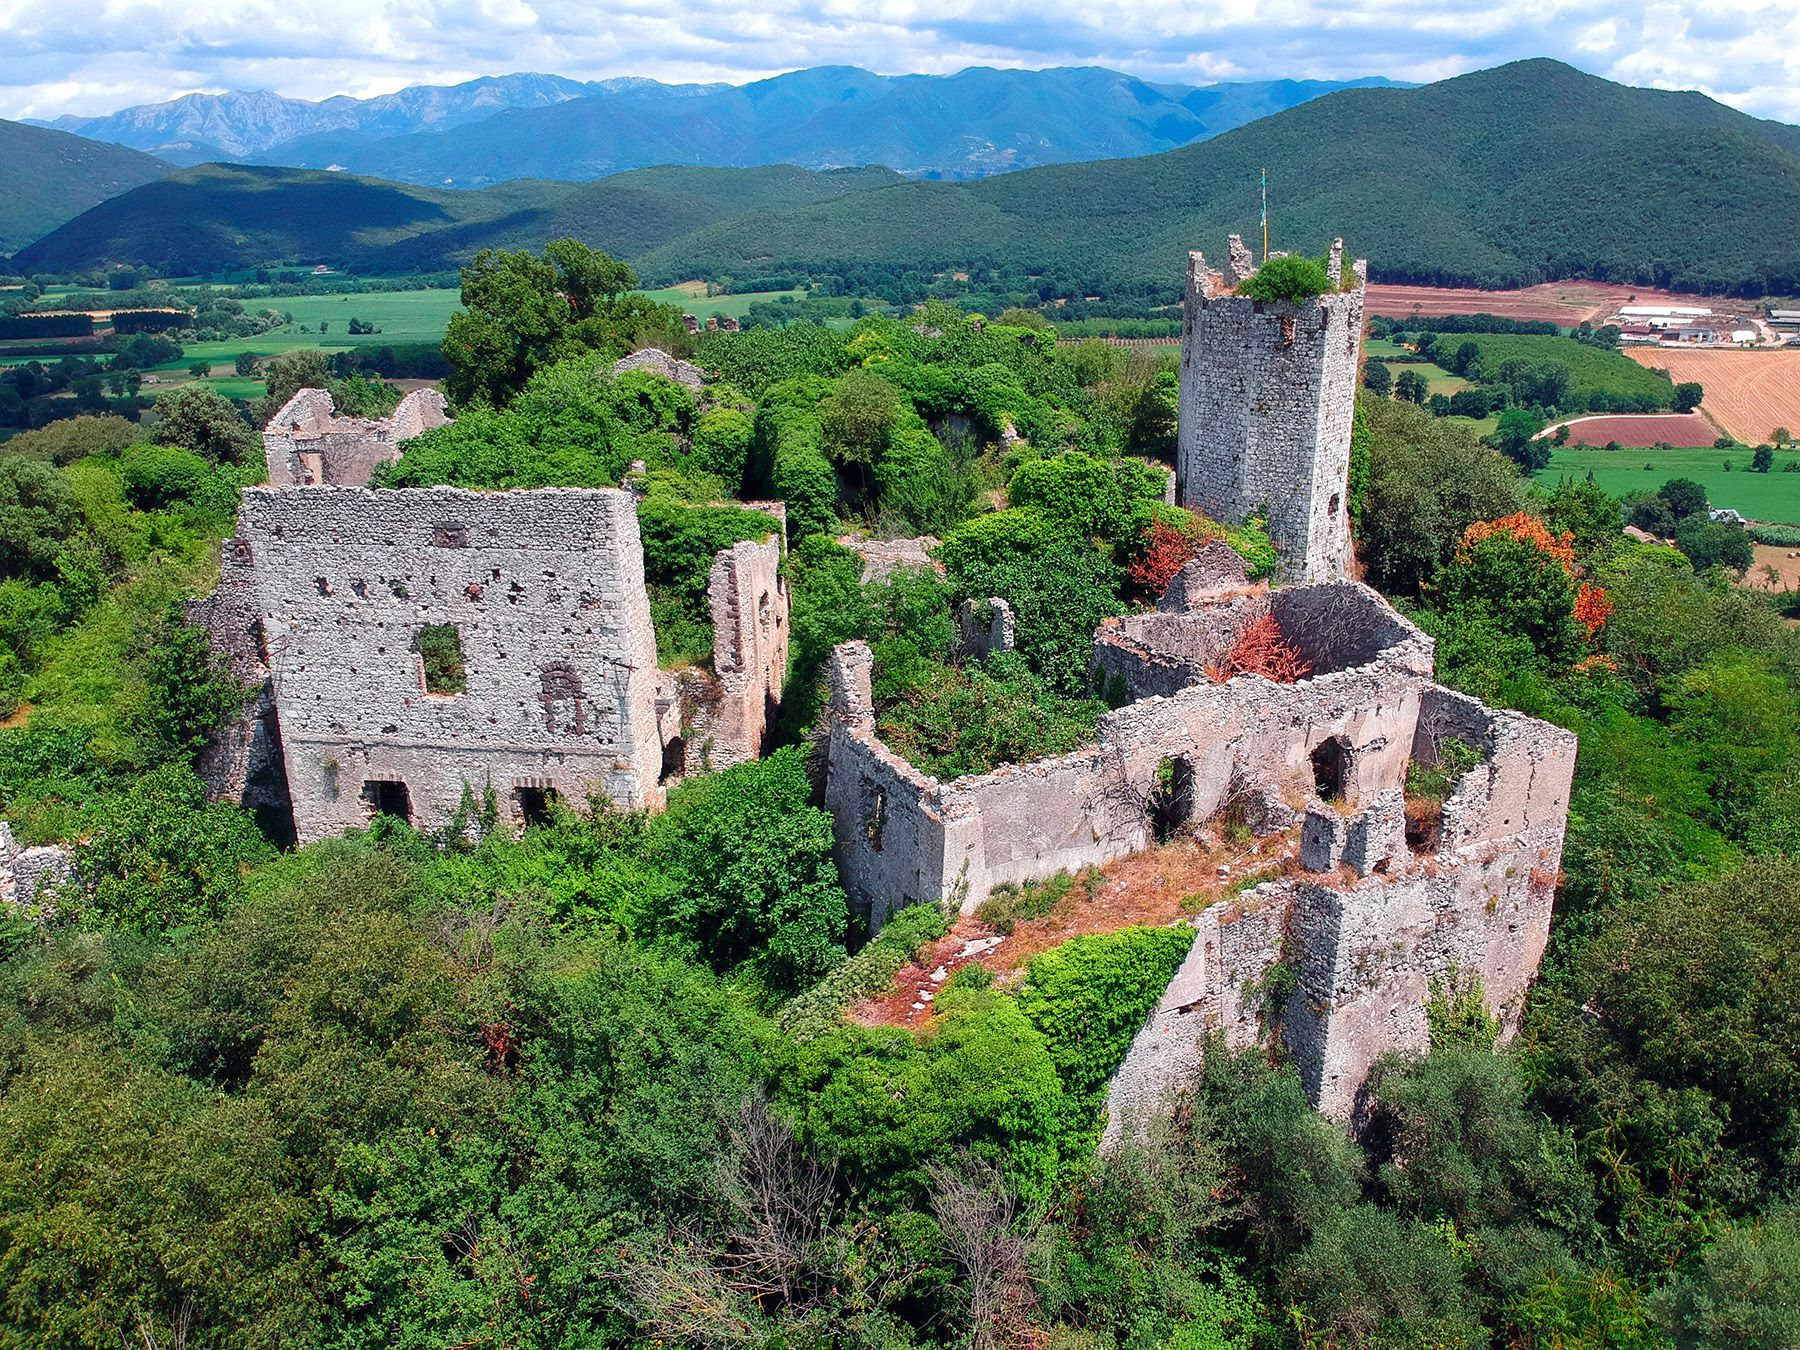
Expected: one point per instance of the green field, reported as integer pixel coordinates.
(1773, 496)
(701, 306)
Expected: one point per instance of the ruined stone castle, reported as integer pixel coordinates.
(416, 646)
(1385, 896)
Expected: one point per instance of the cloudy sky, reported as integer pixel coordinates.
(94, 56)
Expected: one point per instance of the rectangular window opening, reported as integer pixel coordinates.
(439, 647)
(536, 805)
(385, 797)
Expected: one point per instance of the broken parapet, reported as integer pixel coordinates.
(1216, 569)
(30, 877)
(985, 627)
(659, 362)
(1267, 393)
(543, 595)
(307, 444)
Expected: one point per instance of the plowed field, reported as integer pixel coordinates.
(1747, 393)
(1682, 429)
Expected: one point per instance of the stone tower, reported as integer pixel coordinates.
(1267, 394)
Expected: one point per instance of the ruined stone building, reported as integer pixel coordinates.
(307, 444)
(1378, 909)
(1267, 394)
(413, 646)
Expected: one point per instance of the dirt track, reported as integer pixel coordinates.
(1747, 393)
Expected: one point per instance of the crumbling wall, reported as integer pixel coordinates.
(1363, 951)
(881, 558)
(307, 444)
(729, 714)
(658, 362)
(242, 762)
(29, 877)
(1024, 822)
(985, 627)
(546, 591)
(1267, 393)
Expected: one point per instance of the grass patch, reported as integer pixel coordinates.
(1773, 497)
(1008, 905)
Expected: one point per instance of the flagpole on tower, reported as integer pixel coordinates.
(1265, 214)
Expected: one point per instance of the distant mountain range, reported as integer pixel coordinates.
(543, 126)
(1528, 172)
(52, 177)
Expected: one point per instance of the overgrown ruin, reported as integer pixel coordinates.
(416, 649)
(307, 444)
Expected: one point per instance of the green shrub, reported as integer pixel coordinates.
(1777, 536)
(870, 972)
(951, 721)
(1292, 278)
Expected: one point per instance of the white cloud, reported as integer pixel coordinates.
(95, 56)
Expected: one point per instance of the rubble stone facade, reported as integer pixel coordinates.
(1267, 394)
(307, 444)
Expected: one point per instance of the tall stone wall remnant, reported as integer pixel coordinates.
(1267, 394)
(307, 444)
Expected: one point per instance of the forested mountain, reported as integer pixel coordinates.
(219, 216)
(51, 176)
(967, 125)
(201, 127)
(1504, 177)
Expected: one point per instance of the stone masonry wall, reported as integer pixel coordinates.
(1267, 394)
(730, 717)
(307, 444)
(1365, 951)
(243, 762)
(1022, 822)
(546, 589)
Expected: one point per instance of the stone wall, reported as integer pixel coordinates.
(658, 362)
(727, 716)
(243, 761)
(29, 877)
(958, 840)
(307, 444)
(1365, 950)
(1267, 394)
(546, 592)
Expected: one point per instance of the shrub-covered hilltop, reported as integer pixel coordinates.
(597, 1085)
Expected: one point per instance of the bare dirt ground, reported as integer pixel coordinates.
(1564, 302)
(1785, 561)
(1747, 393)
(1682, 429)
(1155, 888)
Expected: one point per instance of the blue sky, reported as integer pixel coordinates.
(94, 56)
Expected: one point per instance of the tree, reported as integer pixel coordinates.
(1762, 459)
(199, 419)
(1429, 480)
(244, 364)
(1714, 543)
(1514, 575)
(1684, 497)
(1782, 437)
(1744, 1291)
(38, 515)
(858, 416)
(1377, 378)
(1688, 395)
(1411, 386)
(1516, 437)
(522, 312)
(190, 686)
(200, 370)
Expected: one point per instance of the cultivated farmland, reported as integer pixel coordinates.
(1592, 370)
(1773, 497)
(1748, 394)
(1657, 429)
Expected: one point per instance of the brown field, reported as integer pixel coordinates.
(1785, 561)
(1682, 429)
(1564, 302)
(1747, 393)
